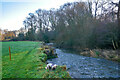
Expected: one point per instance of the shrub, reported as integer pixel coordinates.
(43, 57)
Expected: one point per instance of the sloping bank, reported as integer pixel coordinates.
(45, 53)
(113, 55)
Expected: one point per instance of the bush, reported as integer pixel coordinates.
(43, 57)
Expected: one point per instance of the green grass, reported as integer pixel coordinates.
(0, 61)
(18, 46)
(26, 62)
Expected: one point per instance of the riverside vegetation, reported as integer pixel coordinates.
(77, 26)
(27, 61)
(113, 55)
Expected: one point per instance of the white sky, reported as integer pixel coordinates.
(13, 12)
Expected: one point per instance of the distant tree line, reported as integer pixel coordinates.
(77, 25)
(7, 35)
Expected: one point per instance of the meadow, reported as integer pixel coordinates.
(18, 46)
(25, 62)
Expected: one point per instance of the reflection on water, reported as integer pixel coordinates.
(87, 67)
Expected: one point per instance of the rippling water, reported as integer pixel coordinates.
(87, 67)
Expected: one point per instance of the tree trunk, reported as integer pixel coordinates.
(118, 19)
(118, 15)
(96, 8)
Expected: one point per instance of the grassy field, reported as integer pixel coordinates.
(26, 63)
(18, 46)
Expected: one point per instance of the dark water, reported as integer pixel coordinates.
(87, 67)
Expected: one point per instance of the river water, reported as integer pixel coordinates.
(87, 67)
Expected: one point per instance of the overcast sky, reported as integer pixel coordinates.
(13, 12)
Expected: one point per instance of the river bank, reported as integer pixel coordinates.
(86, 67)
(27, 61)
(109, 54)
(113, 55)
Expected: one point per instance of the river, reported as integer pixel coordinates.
(87, 67)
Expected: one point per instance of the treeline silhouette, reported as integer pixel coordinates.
(77, 25)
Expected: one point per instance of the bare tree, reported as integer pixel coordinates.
(96, 7)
